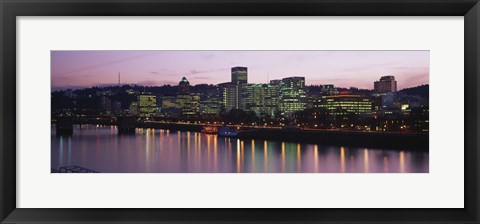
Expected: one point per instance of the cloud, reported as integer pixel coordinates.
(202, 77)
(104, 64)
(208, 56)
(158, 71)
(369, 67)
(196, 71)
(148, 83)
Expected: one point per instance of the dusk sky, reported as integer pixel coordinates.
(81, 69)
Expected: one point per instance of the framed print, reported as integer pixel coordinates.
(249, 112)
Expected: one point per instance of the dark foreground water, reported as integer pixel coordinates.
(163, 151)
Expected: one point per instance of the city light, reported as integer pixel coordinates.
(370, 123)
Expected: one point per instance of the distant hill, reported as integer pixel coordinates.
(416, 91)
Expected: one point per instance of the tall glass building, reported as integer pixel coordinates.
(231, 92)
(292, 95)
(260, 98)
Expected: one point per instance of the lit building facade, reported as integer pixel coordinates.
(346, 104)
(170, 106)
(231, 92)
(147, 105)
(386, 84)
(292, 95)
(260, 98)
(190, 104)
(230, 96)
(240, 75)
(210, 102)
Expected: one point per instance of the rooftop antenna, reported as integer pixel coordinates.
(119, 79)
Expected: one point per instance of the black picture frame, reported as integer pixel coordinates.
(10, 9)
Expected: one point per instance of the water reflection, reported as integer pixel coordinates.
(164, 151)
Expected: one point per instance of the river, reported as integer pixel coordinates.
(102, 149)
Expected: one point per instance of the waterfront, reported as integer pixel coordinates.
(102, 149)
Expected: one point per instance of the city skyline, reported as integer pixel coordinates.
(289, 122)
(84, 69)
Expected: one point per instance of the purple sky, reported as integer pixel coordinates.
(80, 69)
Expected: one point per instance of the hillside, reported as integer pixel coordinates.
(422, 91)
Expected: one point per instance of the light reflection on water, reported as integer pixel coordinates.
(164, 151)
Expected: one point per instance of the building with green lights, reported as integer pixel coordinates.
(292, 95)
(190, 104)
(231, 92)
(147, 105)
(230, 95)
(210, 102)
(346, 104)
(260, 98)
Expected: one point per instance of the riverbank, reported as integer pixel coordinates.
(400, 141)
(385, 140)
(417, 142)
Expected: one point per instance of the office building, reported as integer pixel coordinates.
(184, 86)
(292, 95)
(346, 104)
(147, 105)
(190, 104)
(386, 84)
(231, 92)
(210, 102)
(240, 75)
(230, 96)
(170, 106)
(260, 98)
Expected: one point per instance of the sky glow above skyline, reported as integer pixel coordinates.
(84, 69)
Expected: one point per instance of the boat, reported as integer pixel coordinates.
(209, 130)
(225, 131)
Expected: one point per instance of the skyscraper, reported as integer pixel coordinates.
(189, 102)
(387, 84)
(230, 95)
(260, 98)
(210, 102)
(292, 94)
(231, 92)
(184, 86)
(240, 75)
